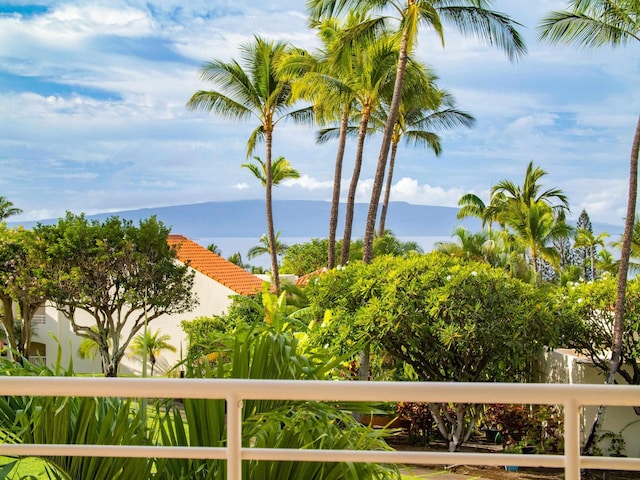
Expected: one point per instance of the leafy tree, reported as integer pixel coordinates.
(374, 66)
(323, 78)
(536, 226)
(448, 320)
(532, 215)
(481, 246)
(386, 244)
(529, 192)
(7, 209)
(253, 89)
(588, 312)
(120, 274)
(21, 285)
(236, 259)
(151, 345)
(303, 258)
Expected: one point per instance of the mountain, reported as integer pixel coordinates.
(294, 218)
(297, 218)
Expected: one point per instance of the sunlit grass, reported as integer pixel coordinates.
(28, 468)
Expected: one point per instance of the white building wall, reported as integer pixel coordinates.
(562, 366)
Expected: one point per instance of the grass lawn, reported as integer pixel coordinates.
(28, 468)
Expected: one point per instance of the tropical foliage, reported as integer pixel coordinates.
(75, 420)
(587, 310)
(443, 318)
(273, 349)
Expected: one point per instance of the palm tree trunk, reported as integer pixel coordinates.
(387, 190)
(269, 207)
(337, 177)
(351, 197)
(625, 253)
(367, 250)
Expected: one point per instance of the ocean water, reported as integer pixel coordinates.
(230, 245)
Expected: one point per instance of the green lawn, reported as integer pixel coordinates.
(28, 468)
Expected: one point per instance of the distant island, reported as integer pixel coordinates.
(297, 218)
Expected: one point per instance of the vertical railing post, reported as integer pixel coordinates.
(234, 437)
(572, 439)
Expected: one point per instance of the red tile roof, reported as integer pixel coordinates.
(304, 280)
(214, 266)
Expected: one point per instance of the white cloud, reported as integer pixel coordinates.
(307, 183)
(241, 186)
(409, 190)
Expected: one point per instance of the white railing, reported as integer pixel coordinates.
(571, 397)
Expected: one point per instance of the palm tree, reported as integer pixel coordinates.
(594, 23)
(536, 225)
(373, 67)
(236, 259)
(253, 89)
(281, 169)
(264, 246)
(471, 205)
(7, 209)
(418, 117)
(468, 16)
(323, 78)
(153, 343)
(212, 247)
(529, 192)
(586, 239)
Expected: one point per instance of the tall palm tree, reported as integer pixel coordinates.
(322, 78)
(373, 73)
(7, 209)
(594, 23)
(153, 343)
(253, 89)
(419, 118)
(468, 16)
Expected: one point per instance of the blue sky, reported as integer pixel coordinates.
(93, 117)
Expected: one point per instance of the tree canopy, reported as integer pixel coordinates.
(120, 274)
(447, 319)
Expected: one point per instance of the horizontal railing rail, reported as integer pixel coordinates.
(234, 391)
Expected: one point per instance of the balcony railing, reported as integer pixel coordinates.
(571, 397)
